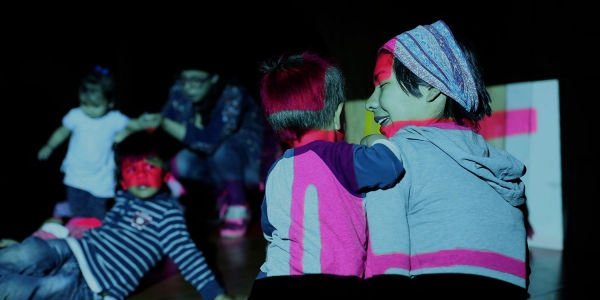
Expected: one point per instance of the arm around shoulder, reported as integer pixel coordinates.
(370, 139)
(175, 129)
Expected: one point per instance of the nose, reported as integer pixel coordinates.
(372, 102)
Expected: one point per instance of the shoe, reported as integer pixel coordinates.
(236, 220)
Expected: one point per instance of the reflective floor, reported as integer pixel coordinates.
(239, 260)
(237, 263)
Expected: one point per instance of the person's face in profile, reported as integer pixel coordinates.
(197, 83)
(389, 102)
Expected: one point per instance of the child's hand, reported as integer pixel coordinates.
(45, 152)
(7, 242)
(370, 139)
(230, 297)
(150, 120)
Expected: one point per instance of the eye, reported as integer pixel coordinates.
(129, 170)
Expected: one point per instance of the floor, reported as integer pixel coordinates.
(240, 259)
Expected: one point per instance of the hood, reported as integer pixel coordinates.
(495, 166)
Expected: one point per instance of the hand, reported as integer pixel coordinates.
(150, 120)
(45, 152)
(230, 297)
(370, 139)
(7, 242)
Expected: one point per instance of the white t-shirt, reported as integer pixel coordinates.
(89, 164)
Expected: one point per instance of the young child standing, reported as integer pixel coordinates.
(312, 213)
(109, 261)
(91, 129)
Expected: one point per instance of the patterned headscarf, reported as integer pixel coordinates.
(431, 52)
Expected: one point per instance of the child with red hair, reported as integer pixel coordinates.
(312, 214)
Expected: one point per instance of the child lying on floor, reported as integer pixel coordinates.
(108, 261)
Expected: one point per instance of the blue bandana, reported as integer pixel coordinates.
(431, 52)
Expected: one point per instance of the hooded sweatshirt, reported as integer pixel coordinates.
(453, 211)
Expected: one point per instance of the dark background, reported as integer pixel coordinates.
(47, 48)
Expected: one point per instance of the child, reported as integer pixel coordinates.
(108, 261)
(92, 128)
(458, 202)
(312, 212)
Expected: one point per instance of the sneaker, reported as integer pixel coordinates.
(236, 221)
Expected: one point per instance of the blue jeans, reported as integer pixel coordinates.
(229, 168)
(231, 161)
(84, 204)
(41, 269)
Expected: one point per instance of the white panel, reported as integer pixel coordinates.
(540, 152)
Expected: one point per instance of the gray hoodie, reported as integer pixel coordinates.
(454, 210)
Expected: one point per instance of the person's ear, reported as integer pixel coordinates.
(433, 94)
(337, 120)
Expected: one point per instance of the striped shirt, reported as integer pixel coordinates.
(134, 236)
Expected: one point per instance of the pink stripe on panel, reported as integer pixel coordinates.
(484, 259)
(342, 220)
(509, 122)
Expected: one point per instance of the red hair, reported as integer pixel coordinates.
(295, 84)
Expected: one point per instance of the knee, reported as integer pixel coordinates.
(224, 153)
(187, 164)
(17, 257)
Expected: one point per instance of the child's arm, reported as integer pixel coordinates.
(378, 166)
(175, 129)
(178, 245)
(144, 122)
(57, 138)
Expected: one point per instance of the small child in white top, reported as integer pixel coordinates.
(92, 128)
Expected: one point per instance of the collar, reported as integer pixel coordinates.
(129, 196)
(318, 135)
(390, 130)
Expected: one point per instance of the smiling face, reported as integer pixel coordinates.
(142, 178)
(389, 103)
